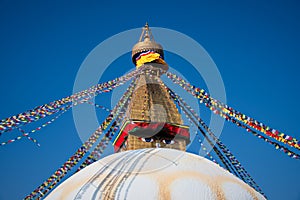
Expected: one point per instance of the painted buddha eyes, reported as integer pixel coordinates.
(168, 141)
(147, 139)
(151, 140)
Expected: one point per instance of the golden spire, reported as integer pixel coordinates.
(152, 118)
(146, 34)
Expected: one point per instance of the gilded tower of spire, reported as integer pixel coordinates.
(152, 118)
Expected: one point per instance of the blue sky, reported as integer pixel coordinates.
(255, 45)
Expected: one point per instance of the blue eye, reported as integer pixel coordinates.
(168, 141)
(147, 139)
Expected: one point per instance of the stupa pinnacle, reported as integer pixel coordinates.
(152, 118)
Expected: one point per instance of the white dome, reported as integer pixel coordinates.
(149, 174)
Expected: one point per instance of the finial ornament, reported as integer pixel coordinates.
(146, 34)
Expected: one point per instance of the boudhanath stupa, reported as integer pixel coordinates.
(151, 161)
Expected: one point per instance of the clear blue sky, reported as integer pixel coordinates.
(255, 45)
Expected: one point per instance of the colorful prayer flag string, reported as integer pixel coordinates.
(99, 149)
(50, 183)
(235, 166)
(26, 134)
(235, 163)
(63, 109)
(214, 104)
(40, 112)
(277, 146)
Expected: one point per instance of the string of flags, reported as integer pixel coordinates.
(26, 134)
(227, 165)
(99, 106)
(63, 109)
(51, 182)
(234, 166)
(101, 146)
(276, 145)
(202, 146)
(15, 122)
(239, 170)
(45, 110)
(92, 140)
(218, 108)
